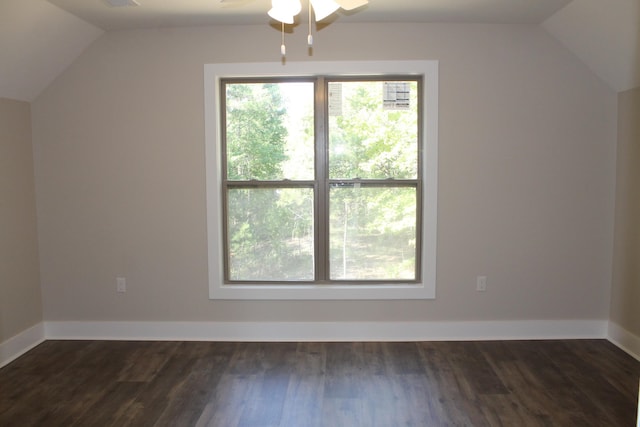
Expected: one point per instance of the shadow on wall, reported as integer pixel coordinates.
(629, 179)
(636, 50)
(625, 307)
(636, 73)
(635, 136)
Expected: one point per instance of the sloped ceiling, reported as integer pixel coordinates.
(37, 42)
(39, 39)
(605, 35)
(178, 13)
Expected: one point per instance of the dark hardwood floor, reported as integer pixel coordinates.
(501, 383)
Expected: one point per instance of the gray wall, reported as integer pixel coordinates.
(20, 299)
(625, 294)
(526, 181)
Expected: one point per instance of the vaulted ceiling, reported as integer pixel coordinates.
(605, 35)
(40, 38)
(154, 13)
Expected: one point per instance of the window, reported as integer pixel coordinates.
(321, 180)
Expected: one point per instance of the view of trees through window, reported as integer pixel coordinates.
(351, 212)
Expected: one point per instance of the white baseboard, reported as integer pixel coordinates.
(624, 339)
(318, 331)
(328, 331)
(19, 344)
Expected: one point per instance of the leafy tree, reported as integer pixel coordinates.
(270, 230)
(264, 224)
(373, 229)
(256, 134)
(268, 234)
(368, 141)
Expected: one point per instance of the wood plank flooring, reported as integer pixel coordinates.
(501, 383)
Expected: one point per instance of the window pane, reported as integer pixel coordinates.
(373, 130)
(373, 233)
(270, 234)
(269, 134)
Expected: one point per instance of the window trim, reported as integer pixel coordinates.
(425, 289)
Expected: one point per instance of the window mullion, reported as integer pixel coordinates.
(322, 182)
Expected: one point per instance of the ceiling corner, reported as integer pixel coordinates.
(38, 41)
(603, 35)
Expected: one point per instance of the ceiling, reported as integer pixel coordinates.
(39, 39)
(180, 13)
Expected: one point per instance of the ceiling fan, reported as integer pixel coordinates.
(287, 9)
(284, 11)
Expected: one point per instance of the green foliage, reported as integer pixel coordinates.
(256, 134)
(271, 234)
(270, 230)
(372, 228)
(373, 233)
(367, 141)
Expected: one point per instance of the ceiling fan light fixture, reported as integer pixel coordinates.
(280, 16)
(284, 10)
(351, 4)
(324, 8)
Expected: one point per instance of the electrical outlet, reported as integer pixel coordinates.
(121, 285)
(481, 283)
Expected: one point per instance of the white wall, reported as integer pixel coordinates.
(527, 172)
(20, 299)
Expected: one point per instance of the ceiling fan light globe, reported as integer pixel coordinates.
(351, 4)
(292, 7)
(324, 8)
(281, 15)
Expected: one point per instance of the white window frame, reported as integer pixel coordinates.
(426, 288)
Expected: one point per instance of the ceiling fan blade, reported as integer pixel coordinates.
(351, 4)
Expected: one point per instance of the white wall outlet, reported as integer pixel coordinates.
(121, 285)
(481, 283)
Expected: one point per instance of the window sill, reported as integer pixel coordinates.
(322, 292)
